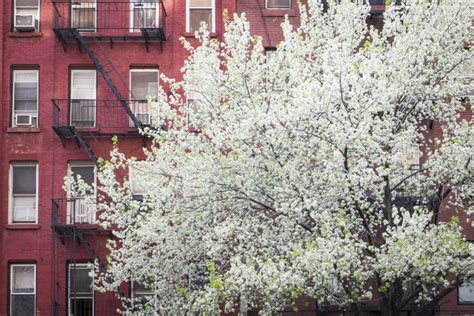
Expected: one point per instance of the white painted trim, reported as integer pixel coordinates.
(39, 15)
(10, 290)
(14, 73)
(69, 268)
(10, 190)
(213, 15)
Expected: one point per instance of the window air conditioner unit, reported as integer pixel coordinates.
(25, 23)
(24, 120)
(144, 118)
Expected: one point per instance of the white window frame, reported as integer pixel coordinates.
(74, 266)
(213, 15)
(80, 6)
(11, 284)
(14, 75)
(71, 88)
(142, 107)
(10, 189)
(71, 165)
(134, 294)
(283, 8)
(146, 5)
(38, 17)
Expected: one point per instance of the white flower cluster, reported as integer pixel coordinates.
(301, 174)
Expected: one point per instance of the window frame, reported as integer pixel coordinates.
(13, 80)
(10, 287)
(147, 5)
(212, 28)
(72, 71)
(278, 8)
(79, 6)
(79, 164)
(37, 30)
(139, 104)
(68, 287)
(14, 164)
(458, 294)
(131, 173)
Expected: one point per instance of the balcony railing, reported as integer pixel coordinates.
(112, 18)
(72, 212)
(101, 116)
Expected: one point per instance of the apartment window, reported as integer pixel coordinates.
(23, 188)
(137, 178)
(80, 289)
(270, 53)
(144, 14)
(26, 15)
(143, 85)
(199, 11)
(25, 98)
(83, 98)
(22, 289)
(278, 4)
(466, 293)
(79, 210)
(84, 15)
(141, 298)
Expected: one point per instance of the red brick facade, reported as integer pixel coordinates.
(38, 243)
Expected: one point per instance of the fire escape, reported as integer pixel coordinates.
(88, 24)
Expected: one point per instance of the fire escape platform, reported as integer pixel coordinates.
(145, 35)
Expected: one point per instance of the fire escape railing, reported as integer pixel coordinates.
(111, 21)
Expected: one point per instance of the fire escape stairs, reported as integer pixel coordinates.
(82, 143)
(105, 74)
(90, 250)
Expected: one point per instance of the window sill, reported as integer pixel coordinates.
(22, 226)
(23, 130)
(25, 34)
(193, 35)
(279, 12)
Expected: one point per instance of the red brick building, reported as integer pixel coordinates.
(74, 73)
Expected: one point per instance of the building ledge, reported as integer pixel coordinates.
(279, 12)
(23, 130)
(25, 34)
(22, 226)
(193, 35)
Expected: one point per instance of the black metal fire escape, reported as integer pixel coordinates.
(110, 26)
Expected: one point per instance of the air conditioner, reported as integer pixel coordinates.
(25, 23)
(144, 118)
(24, 119)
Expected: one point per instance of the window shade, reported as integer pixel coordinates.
(200, 3)
(23, 279)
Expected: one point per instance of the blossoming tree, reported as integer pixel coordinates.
(339, 169)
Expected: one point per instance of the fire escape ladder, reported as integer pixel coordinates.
(82, 142)
(106, 77)
(90, 250)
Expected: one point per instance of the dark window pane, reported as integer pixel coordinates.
(22, 305)
(86, 172)
(280, 4)
(80, 281)
(199, 15)
(24, 180)
(81, 306)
